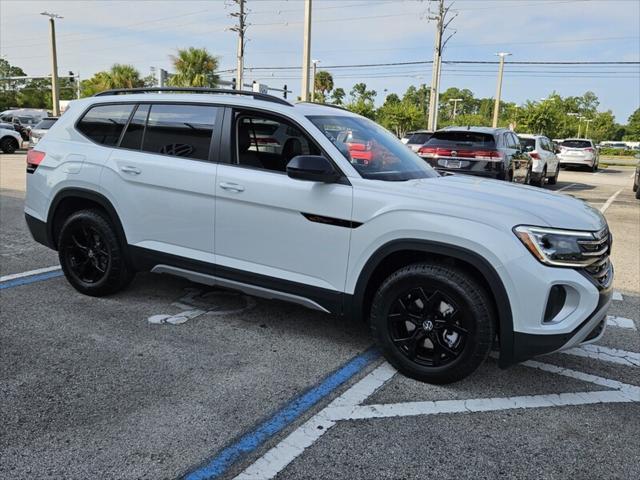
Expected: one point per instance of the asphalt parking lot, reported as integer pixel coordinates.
(249, 388)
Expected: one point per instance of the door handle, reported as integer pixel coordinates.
(130, 169)
(232, 187)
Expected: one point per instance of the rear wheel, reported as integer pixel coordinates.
(594, 168)
(553, 180)
(539, 180)
(9, 145)
(91, 256)
(433, 322)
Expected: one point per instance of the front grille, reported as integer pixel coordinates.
(597, 252)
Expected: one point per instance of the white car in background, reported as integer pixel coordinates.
(579, 152)
(545, 164)
(10, 140)
(418, 139)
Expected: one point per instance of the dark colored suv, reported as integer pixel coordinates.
(483, 151)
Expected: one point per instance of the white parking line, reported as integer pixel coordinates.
(617, 296)
(621, 322)
(276, 459)
(613, 355)
(566, 187)
(38, 271)
(608, 203)
(349, 407)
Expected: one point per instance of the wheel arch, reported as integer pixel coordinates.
(73, 199)
(399, 253)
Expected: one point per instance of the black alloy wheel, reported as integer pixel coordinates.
(91, 255)
(433, 322)
(428, 327)
(87, 254)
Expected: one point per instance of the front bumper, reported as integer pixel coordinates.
(526, 346)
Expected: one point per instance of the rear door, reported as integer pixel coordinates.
(162, 178)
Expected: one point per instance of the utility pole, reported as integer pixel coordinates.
(306, 52)
(55, 89)
(496, 107)
(241, 29)
(78, 85)
(313, 80)
(441, 26)
(455, 104)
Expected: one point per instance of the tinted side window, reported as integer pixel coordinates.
(104, 123)
(135, 130)
(180, 130)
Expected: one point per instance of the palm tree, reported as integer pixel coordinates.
(121, 76)
(323, 84)
(195, 67)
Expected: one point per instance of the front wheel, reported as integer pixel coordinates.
(91, 256)
(433, 322)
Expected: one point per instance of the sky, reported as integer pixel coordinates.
(93, 35)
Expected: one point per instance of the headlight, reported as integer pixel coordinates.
(559, 248)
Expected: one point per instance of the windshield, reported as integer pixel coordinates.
(46, 123)
(373, 151)
(576, 143)
(419, 138)
(528, 142)
(464, 138)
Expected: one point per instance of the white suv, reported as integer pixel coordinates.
(545, 164)
(437, 265)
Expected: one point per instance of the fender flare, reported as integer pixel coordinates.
(76, 192)
(488, 272)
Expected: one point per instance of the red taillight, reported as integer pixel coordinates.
(487, 155)
(534, 155)
(427, 151)
(589, 149)
(34, 158)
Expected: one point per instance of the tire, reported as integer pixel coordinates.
(9, 145)
(412, 323)
(553, 180)
(92, 258)
(594, 168)
(638, 193)
(540, 181)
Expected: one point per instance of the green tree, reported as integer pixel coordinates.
(632, 132)
(9, 88)
(119, 76)
(195, 67)
(323, 85)
(337, 96)
(602, 127)
(361, 101)
(399, 117)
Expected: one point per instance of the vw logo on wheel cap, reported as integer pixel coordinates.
(427, 325)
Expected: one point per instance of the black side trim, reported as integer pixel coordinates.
(338, 222)
(145, 259)
(528, 345)
(38, 230)
(505, 316)
(87, 195)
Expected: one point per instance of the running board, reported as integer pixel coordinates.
(243, 287)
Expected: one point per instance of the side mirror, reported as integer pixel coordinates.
(529, 148)
(314, 168)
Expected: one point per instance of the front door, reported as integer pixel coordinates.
(271, 230)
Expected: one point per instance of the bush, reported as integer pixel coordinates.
(617, 152)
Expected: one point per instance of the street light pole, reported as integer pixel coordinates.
(455, 104)
(496, 107)
(306, 51)
(55, 89)
(586, 128)
(313, 80)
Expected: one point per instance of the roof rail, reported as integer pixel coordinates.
(325, 105)
(224, 91)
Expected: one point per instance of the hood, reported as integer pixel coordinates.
(495, 201)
